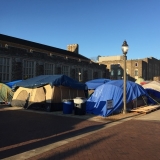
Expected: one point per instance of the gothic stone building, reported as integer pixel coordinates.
(147, 68)
(22, 59)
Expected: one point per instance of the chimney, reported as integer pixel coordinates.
(73, 48)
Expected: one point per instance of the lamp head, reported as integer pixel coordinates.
(125, 47)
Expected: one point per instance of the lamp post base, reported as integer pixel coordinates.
(124, 112)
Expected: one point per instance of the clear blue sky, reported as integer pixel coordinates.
(98, 26)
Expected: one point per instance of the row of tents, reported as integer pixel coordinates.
(104, 96)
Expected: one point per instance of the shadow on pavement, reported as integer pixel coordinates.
(65, 153)
(23, 131)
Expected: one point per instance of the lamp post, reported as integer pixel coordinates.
(124, 50)
(79, 76)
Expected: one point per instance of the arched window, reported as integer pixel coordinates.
(136, 64)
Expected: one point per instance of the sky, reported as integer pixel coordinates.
(98, 26)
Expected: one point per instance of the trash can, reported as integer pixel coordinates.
(68, 105)
(79, 106)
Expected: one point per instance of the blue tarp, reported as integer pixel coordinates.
(53, 80)
(93, 84)
(153, 93)
(112, 92)
(10, 84)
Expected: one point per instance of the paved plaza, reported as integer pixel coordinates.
(39, 135)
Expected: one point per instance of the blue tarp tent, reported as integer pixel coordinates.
(93, 84)
(153, 90)
(155, 95)
(108, 97)
(53, 80)
(12, 83)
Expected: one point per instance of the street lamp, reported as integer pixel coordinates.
(79, 76)
(124, 50)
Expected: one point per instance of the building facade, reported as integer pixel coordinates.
(147, 68)
(22, 59)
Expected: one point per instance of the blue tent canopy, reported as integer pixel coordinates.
(153, 92)
(53, 80)
(108, 97)
(93, 84)
(154, 95)
(10, 84)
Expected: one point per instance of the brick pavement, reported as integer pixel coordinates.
(24, 131)
(131, 140)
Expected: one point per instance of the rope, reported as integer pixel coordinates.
(153, 99)
(26, 106)
(144, 100)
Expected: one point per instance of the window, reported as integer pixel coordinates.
(99, 74)
(150, 69)
(4, 69)
(78, 74)
(28, 69)
(90, 74)
(95, 74)
(119, 72)
(48, 68)
(112, 72)
(136, 64)
(65, 70)
(136, 72)
(144, 73)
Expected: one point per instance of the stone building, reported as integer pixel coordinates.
(22, 59)
(147, 68)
